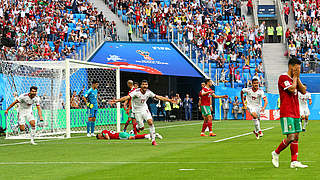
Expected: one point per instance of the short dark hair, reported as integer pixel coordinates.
(144, 81)
(293, 61)
(255, 79)
(95, 81)
(97, 136)
(136, 83)
(33, 88)
(207, 80)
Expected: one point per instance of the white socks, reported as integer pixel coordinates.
(153, 133)
(305, 124)
(256, 125)
(33, 131)
(147, 136)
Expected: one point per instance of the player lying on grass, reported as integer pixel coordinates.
(25, 110)
(107, 135)
(254, 96)
(206, 95)
(289, 85)
(140, 108)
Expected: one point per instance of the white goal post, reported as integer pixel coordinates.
(59, 82)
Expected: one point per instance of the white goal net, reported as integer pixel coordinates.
(61, 86)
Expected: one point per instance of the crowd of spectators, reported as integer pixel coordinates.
(49, 30)
(215, 28)
(303, 41)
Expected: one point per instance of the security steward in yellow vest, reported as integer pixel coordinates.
(270, 31)
(279, 33)
(167, 109)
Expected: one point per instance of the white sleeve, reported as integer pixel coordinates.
(37, 101)
(151, 94)
(262, 94)
(133, 93)
(245, 90)
(309, 96)
(20, 98)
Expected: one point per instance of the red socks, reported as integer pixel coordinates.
(204, 126)
(281, 147)
(140, 136)
(210, 126)
(127, 124)
(134, 128)
(294, 150)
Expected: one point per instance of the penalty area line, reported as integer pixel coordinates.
(240, 135)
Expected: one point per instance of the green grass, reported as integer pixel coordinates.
(182, 148)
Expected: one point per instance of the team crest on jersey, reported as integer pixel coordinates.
(145, 54)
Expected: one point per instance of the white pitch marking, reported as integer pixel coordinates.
(187, 169)
(136, 162)
(28, 142)
(232, 137)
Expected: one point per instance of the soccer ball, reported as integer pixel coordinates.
(131, 132)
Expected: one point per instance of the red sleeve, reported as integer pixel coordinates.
(284, 82)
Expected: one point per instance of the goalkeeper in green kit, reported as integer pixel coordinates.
(91, 100)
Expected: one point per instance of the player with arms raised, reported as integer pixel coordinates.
(108, 135)
(91, 100)
(25, 110)
(254, 96)
(129, 110)
(289, 85)
(140, 108)
(304, 109)
(206, 106)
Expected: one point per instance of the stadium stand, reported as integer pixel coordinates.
(303, 41)
(51, 30)
(212, 34)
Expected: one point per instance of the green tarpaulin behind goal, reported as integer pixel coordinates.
(79, 117)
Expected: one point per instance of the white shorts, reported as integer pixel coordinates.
(25, 116)
(141, 116)
(254, 109)
(304, 111)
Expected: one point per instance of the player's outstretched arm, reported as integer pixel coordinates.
(223, 96)
(242, 97)
(265, 104)
(124, 98)
(40, 113)
(11, 105)
(165, 99)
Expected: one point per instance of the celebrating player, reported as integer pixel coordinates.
(304, 109)
(254, 96)
(129, 109)
(206, 106)
(91, 100)
(140, 108)
(107, 135)
(289, 84)
(25, 110)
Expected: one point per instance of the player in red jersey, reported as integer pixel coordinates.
(206, 106)
(289, 84)
(107, 135)
(129, 110)
(203, 84)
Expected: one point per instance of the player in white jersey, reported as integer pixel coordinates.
(304, 109)
(25, 110)
(140, 107)
(254, 104)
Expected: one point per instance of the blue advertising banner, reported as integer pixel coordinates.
(312, 81)
(266, 11)
(161, 59)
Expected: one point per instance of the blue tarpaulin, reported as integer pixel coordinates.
(154, 58)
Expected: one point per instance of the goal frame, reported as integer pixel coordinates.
(67, 80)
(67, 66)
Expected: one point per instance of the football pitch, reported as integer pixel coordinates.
(234, 153)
